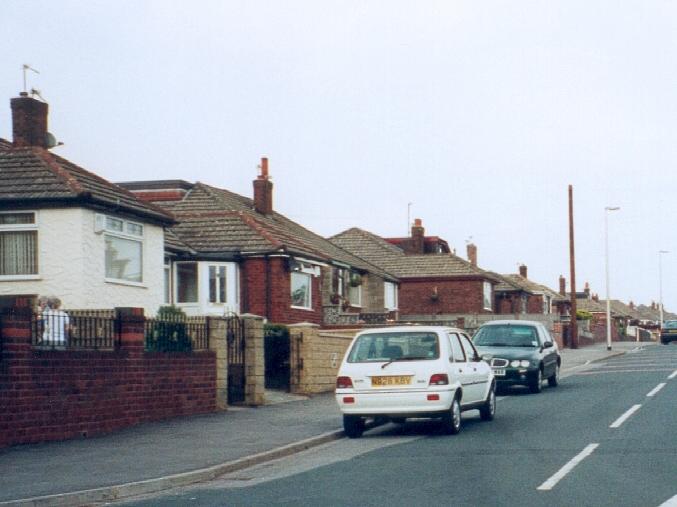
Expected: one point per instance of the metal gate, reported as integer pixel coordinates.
(235, 340)
(277, 354)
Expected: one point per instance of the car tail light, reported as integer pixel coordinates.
(348, 399)
(439, 379)
(434, 397)
(344, 383)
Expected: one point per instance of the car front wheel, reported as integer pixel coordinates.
(537, 385)
(554, 380)
(451, 421)
(488, 410)
(353, 426)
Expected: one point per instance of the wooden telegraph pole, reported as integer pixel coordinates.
(573, 326)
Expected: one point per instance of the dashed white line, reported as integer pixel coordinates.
(622, 418)
(673, 375)
(562, 472)
(656, 389)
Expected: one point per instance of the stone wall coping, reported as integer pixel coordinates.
(304, 324)
(251, 316)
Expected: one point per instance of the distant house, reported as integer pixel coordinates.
(517, 294)
(67, 232)
(433, 281)
(229, 253)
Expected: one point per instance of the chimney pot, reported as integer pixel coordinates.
(523, 270)
(29, 121)
(562, 285)
(264, 168)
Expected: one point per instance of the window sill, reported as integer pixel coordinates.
(302, 308)
(18, 278)
(125, 282)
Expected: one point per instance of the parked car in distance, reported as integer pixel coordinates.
(520, 352)
(669, 331)
(413, 372)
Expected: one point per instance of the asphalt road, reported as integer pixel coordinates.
(605, 437)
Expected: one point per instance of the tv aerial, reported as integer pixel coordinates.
(25, 68)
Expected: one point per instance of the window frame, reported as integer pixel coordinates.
(385, 296)
(309, 278)
(103, 224)
(176, 282)
(218, 288)
(351, 289)
(487, 295)
(30, 227)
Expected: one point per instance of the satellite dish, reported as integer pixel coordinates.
(51, 141)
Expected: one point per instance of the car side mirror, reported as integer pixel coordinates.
(547, 345)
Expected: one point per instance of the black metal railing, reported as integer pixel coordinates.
(176, 334)
(62, 329)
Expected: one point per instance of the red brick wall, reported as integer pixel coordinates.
(277, 308)
(50, 395)
(535, 304)
(453, 296)
(598, 328)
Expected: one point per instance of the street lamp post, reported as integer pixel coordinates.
(606, 267)
(660, 284)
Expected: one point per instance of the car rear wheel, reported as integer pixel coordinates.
(537, 385)
(488, 410)
(554, 380)
(353, 426)
(451, 421)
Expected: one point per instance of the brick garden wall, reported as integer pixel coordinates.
(48, 395)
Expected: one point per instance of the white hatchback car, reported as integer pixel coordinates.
(413, 372)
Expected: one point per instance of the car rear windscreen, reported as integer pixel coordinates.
(375, 347)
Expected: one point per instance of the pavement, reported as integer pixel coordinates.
(157, 456)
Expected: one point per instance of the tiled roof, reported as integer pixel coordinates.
(377, 250)
(592, 306)
(5, 144)
(532, 287)
(216, 221)
(34, 175)
(622, 309)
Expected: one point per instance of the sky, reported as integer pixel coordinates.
(473, 116)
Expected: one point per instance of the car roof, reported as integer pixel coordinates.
(408, 329)
(512, 321)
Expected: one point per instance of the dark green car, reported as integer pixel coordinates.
(520, 352)
(669, 331)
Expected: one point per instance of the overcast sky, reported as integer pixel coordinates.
(480, 114)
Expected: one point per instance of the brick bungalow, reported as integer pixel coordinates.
(230, 253)
(517, 294)
(67, 232)
(433, 281)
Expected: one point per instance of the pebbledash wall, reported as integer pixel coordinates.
(48, 395)
(71, 264)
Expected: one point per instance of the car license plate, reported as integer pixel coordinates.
(499, 372)
(391, 380)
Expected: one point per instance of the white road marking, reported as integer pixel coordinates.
(656, 389)
(670, 503)
(562, 472)
(622, 418)
(673, 374)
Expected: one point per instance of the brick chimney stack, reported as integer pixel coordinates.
(29, 121)
(523, 270)
(263, 190)
(562, 285)
(472, 253)
(417, 237)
